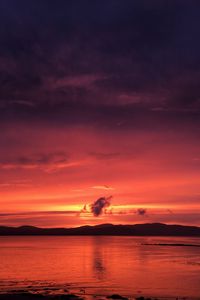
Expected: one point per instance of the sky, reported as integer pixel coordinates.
(99, 112)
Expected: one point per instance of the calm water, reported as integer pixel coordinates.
(101, 265)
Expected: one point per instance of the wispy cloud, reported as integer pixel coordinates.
(78, 81)
(13, 103)
(105, 155)
(37, 213)
(103, 187)
(47, 162)
(16, 183)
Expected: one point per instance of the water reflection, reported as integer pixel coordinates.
(99, 267)
(123, 263)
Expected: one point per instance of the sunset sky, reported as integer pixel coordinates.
(99, 98)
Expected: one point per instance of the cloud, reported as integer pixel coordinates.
(40, 218)
(98, 207)
(102, 187)
(16, 183)
(15, 103)
(82, 80)
(46, 162)
(127, 66)
(40, 213)
(141, 211)
(105, 155)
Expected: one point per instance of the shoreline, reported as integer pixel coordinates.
(52, 291)
(26, 295)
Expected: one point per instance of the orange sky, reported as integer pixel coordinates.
(99, 99)
(55, 171)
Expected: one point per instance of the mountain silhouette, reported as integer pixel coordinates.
(148, 229)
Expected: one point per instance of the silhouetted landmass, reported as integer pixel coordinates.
(154, 229)
(117, 296)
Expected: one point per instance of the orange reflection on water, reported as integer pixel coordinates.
(104, 264)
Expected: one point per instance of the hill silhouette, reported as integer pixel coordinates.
(148, 229)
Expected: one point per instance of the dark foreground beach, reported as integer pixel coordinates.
(31, 296)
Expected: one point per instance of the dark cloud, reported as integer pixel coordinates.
(49, 161)
(141, 211)
(98, 207)
(106, 62)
